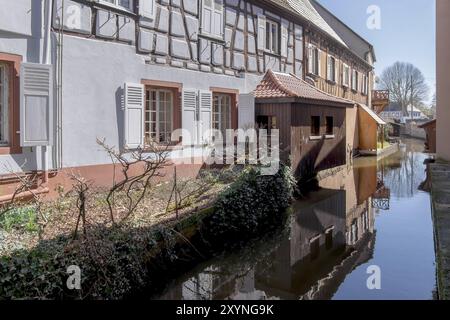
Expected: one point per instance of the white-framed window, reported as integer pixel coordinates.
(314, 60)
(4, 119)
(272, 36)
(159, 115)
(355, 80)
(331, 68)
(346, 76)
(365, 84)
(121, 4)
(212, 23)
(221, 117)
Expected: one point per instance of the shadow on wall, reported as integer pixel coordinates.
(315, 160)
(120, 116)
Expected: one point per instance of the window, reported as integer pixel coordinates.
(365, 85)
(212, 18)
(315, 125)
(267, 122)
(331, 71)
(314, 60)
(3, 105)
(122, 4)
(330, 126)
(272, 36)
(346, 76)
(221, 113)
(159, 115)
(355, 84)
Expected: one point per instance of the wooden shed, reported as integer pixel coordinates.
(371, 130)
(430, 130)
(311, 122)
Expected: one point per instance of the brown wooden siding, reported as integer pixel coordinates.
(309, 156)
(294, 122)
(282, 111)
(342, 56)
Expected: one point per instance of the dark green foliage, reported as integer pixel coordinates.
(119, 262)
(253, 204)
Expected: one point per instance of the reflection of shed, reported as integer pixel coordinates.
(311, 122)
(370, 129)
(430, 130)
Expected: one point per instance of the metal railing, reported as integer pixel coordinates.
(380, 95)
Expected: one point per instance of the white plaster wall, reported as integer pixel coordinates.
(94, 74)
(21, 34)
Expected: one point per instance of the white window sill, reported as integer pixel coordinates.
(115, 7)
(315, 138)
(330, 136)
(207, 35)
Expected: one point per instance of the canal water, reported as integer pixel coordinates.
(370, 223)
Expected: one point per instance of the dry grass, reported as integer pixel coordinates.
(61, 215)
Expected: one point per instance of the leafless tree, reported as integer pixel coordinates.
(406, 84)
(148, 163)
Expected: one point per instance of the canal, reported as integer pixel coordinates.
(369, 216)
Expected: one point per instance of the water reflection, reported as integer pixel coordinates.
(331, 234)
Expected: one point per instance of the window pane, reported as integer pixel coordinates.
(125, 3)
(268, 36)
(315, 125)
(274, 38)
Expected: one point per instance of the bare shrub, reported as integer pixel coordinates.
(133, 187)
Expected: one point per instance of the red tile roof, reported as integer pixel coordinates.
(282, 85)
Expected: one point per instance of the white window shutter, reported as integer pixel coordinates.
(134, 104)
(310, 59)
(261, 32)
(284, 40)
(336, 70)
(218, 18)
(189, 116)
(207, 16)
(329, 67)
(246, 111)
(36, 105)
(147, 9)
(205, 115)
(319, 62)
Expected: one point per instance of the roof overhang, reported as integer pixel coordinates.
(372, 114)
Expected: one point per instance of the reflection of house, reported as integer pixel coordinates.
(311, 122)
(331, 233)
(430, 130)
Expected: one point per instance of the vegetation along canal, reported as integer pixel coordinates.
(372, 214)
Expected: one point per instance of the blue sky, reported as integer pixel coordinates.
(407, 31)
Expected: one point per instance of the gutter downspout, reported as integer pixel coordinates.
(46, 59)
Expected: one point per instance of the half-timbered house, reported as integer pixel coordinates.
(74, 71)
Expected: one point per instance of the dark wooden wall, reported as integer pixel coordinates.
(282, 111)
(294, 122)
(309, 156)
